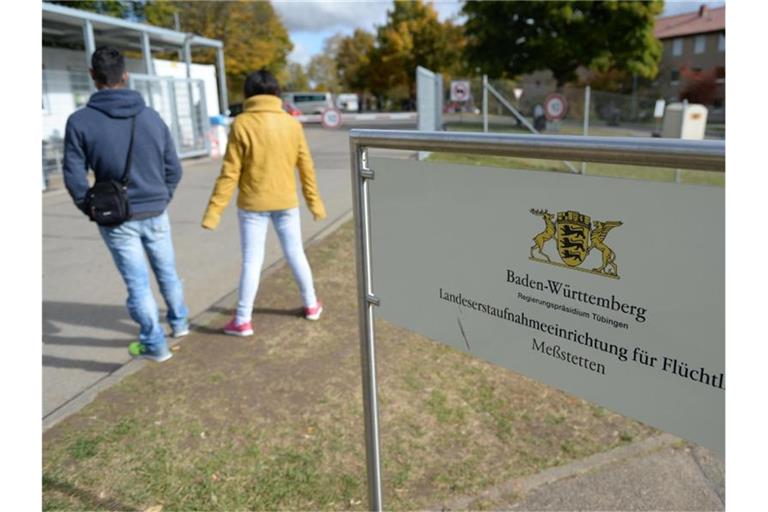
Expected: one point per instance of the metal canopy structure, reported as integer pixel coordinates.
(68, 27)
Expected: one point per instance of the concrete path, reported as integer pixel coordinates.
(86, 327)
(659, 473)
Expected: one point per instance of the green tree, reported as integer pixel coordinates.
(322, 67)
(297, 79)
(253, 35)
(353, 61)
(413, 36)
(116, 8)
(507, 39)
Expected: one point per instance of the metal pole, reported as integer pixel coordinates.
(707, 155)
(188, 55)
(90, 46)
(146, 50)
(366, 300)
(485, 103)
(177, 28)
(522, 119)
(587, 94)
(223, 98)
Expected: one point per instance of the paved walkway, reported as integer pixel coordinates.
(86, 327)
(659, 473)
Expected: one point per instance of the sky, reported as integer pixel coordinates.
(309, 23)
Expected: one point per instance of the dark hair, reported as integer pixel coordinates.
(261, 82)
(108, 65)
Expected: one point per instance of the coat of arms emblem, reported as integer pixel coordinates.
(575, 235)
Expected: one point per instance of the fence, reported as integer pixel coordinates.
(610, 113)
(180, 103)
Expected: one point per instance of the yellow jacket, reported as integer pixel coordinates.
(265, 146)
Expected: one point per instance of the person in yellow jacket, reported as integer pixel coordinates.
(265, 146)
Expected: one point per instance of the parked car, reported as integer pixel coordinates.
(309, 102)
(237, 109)
(291, 109)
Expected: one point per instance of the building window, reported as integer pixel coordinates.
(674, 76)
(677, 47)
(721, 42)
(698, 44)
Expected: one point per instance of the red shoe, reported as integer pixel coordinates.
(314, 313)
(235, 329)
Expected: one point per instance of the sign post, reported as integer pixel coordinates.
(331, 118)
(555, 108)
(574, 280)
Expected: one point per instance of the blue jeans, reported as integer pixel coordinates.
(253, 235)
(128, 243)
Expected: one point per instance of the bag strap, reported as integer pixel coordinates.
(127, 171)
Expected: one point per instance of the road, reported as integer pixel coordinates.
(86, 327)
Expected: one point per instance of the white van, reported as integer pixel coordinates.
(309, 102)
(347, 102)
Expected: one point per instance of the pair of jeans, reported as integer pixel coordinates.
(128, 243)
(253, 235)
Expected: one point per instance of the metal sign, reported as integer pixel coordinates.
(331, 118)
(658, 110)
(555, 107)
(518, 92)
(574, 280)
(460, 90)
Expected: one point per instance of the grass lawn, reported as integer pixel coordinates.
(593, 169)
(274, 421)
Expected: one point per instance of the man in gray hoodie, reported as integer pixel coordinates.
(98, 138)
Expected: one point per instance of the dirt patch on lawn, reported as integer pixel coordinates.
(275, 421)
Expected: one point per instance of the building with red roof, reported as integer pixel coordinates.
(693, 59)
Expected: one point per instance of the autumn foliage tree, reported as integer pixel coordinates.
(412, 36)
(353, 61)
(252, 33)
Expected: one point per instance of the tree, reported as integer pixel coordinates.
(700, 86)
(322, 67)
(353, 61)
(413, 36)
(297, 79)
(253, 35)
(116, 8)
(507, 39)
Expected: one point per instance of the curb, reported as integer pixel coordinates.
(523, 485)
(87, 395)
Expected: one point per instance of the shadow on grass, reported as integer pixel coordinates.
(86, 499)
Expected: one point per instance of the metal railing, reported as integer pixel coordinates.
(674, 153)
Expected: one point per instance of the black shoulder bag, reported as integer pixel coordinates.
(107, 201)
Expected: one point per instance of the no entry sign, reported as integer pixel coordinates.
(555, 107)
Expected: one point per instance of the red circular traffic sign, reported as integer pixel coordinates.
(331, 118)
(555, 107)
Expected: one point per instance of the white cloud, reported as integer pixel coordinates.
(300, 54)
(320, 16)
(340, 15)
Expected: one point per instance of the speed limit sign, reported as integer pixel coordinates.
(331, 118)
(555, 107)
